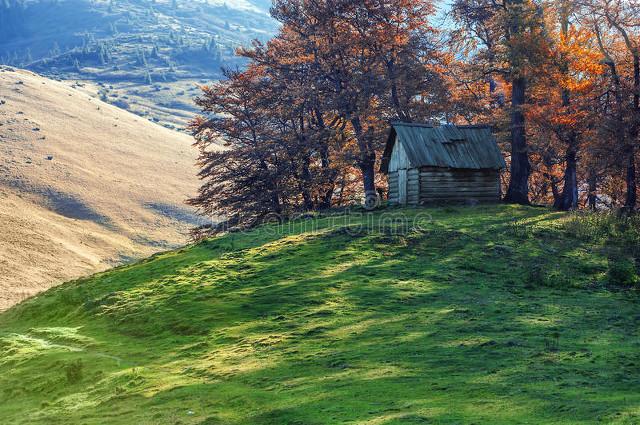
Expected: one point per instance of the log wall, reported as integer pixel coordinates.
(413, 186)
(392, 179)
(439, 185)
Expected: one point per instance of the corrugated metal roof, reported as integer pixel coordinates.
(450, 146)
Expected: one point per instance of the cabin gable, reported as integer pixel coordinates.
(399, 159)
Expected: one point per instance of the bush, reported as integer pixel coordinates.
(618, 234)
(622, 270)
(121, 104)
(545, 274)
(535, 275)
(605, 227)
(591, 226)
(74, 372)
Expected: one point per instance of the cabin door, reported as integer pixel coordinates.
(402, 187)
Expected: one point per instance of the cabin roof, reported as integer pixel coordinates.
(448, 146)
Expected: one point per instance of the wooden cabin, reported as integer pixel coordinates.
(442, 164)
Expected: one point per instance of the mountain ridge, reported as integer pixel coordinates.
(144, 56)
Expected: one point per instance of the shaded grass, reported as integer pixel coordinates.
(328, 322)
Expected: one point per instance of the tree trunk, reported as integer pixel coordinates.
(593, 195)
(631, 198)
(368, 176)
(554, 188)
(569, 198)
(553, 182)
(401, 113)
(330, 175)
(277, 206)
(327, 196)
(366, 163)
(305, 184)
(518, 190)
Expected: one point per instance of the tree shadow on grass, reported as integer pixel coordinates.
(469, 351)
(338, 327)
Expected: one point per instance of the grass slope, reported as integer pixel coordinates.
(325, 323)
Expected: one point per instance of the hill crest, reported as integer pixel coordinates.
(337, 320)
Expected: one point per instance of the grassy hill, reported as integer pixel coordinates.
(71, 200)
(484, 315)
(145, 56)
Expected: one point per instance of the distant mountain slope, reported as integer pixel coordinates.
(83, 185)
(143, 55)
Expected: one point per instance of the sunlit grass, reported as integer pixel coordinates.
(326, 322)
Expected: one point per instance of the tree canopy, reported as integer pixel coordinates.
(304, 123)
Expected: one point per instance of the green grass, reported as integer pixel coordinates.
(484, 315)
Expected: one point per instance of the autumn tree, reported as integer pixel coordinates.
(244, 174)
(312, 106)
(561, 109)
(309, 121)
(615, 24)
(625, 18)
(508, 40)
(276, 159)
(370, 60)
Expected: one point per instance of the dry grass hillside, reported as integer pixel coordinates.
(83, 185)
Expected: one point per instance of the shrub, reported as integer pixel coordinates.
(619, 234)
(605, 227)
(591, 226)
(552, 344)
(519, 229)
(121, 104)
(557, 279)
(74, 372)
(535, 275)
(622, 270)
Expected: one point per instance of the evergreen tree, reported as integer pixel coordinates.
(102, 54)
(55, 50)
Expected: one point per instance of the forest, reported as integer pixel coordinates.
(305, 122)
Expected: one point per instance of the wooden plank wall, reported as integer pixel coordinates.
(439, 185)
(392, 196)
(399, 159)
(413, 186)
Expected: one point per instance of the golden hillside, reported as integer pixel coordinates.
(83, 185)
